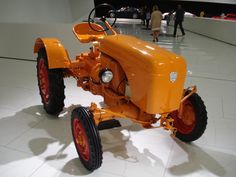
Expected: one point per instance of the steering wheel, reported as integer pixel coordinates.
(103, 18)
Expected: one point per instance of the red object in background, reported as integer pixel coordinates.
(227, 17)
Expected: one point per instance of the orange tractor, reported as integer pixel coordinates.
(137, 79)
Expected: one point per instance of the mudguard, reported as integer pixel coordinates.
(56, 53)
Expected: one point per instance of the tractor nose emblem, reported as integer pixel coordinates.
(173, 76)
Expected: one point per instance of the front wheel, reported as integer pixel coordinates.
(86, 138)
(192, 121)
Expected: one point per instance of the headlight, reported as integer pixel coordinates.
(106, 75)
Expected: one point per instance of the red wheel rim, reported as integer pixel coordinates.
(186, 123)
(81, 140)
(43, 80)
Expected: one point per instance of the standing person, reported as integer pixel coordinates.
(222, 15)
(169, 17)
(202, 14)
(148, 16)
(142, 15)
(179, 18)
(156, 18)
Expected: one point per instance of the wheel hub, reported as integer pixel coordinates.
(43, 80)
(81, 139)
(188, 115)
(185, 119)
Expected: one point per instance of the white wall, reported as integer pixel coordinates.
(22, 21)
(35, 11)
(80, 9)
(223, 30)
(17, 40)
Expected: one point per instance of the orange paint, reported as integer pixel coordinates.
(147, 80)
(56, 53)
(148, 68)
(85, 34)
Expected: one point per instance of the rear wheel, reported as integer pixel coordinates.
(193, 121)
(86, 138)
(51, 85)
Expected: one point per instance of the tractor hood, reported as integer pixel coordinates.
(146, 54)
(156, 76)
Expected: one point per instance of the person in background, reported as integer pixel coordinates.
(222, 15)
(142, 14)
(169, 17)
(179, 18)
(148, 17)
(202, 14)
(156, 18)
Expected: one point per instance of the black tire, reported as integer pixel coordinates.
(51, 85)
(194, 121)
(86, 138)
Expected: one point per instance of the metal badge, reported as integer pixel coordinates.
(173, 76)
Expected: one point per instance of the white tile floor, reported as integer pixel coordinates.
(35, 144)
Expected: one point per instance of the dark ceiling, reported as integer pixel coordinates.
(211, 9)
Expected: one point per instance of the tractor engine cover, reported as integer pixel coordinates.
(156, 77)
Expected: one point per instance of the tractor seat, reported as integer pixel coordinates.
(85, 34)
